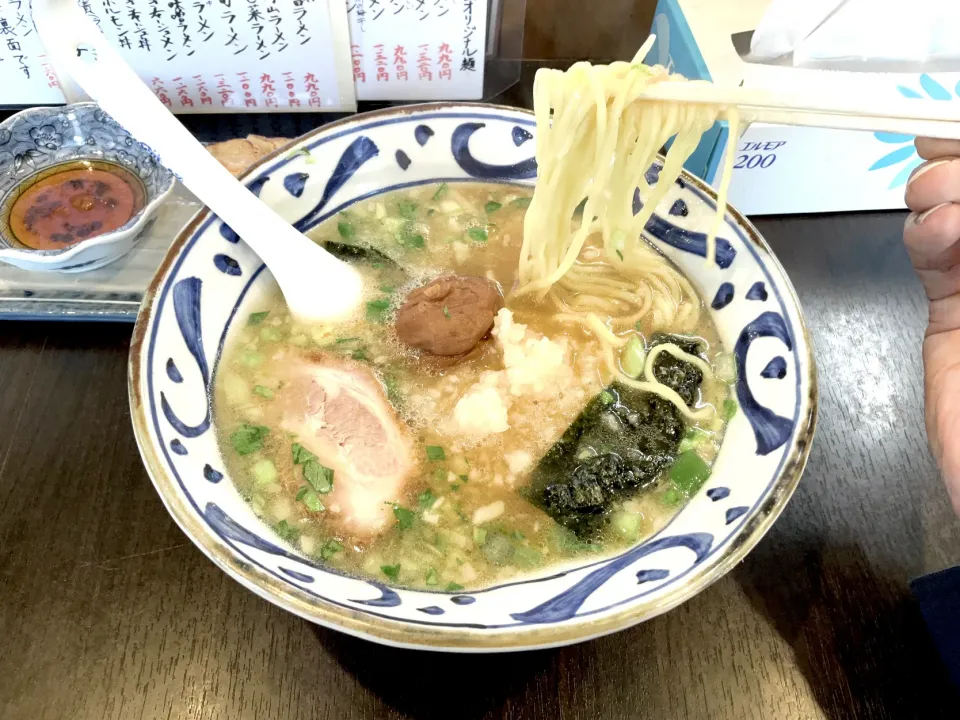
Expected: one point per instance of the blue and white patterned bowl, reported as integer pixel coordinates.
(210, 277)
(38, 140)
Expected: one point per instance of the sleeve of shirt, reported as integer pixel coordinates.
(939, 597)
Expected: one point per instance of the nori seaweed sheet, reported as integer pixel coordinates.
(348, 252)
(620, 443)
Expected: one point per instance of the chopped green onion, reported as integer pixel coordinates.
(263, 391)
(387, 288)
(346, 230)
(408, 238)
(308, 496)
(565, 541)
(620, 254)
(671, 497)
(318, 476)
(286, 531)
(257, 317)
(301, 454)
(526, 557)
(416, 241)
(729, 409)
(633, 357)
(498, 548)
(606, 397)
(341, 341)
(360, 355)
(441, 191)
(251, 359)
(377, 310)
(446, 312)
(692, 438)
(393, 389)
(626, 524)
(432, 577)
(689, 472)
(248, 438)
(407, 209)
(426, 499)
(464, 478)
(391, 571)
(435, 453)
(521, 202)
(454, 587)
(329, 549)
(264, 471)
(725, 367)
(492, 207)
(479, 535)
(477, 234)
(404, 517)
(270, 334)
(308, 158)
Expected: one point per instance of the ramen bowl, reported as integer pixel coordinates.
(210, 280)
(39, 143)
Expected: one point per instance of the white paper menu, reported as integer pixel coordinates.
(267, 55)
(418, 49)
(201, 55)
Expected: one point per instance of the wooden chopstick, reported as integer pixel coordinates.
(931, 118)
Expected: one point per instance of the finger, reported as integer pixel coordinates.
(944, 315)
(930, 148)
(931, 236)
(933, 244)
(941, 359)
(934, 183)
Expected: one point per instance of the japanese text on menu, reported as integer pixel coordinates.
(418, 49)
(199, 55)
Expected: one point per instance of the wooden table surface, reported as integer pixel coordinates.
(107, 611)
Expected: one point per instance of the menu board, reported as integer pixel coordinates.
(266, 55)
(418, 49)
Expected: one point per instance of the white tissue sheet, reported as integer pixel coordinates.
(881, 31)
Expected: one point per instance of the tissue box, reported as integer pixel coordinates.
(782, 169)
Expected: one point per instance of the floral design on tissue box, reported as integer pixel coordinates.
(905, 155)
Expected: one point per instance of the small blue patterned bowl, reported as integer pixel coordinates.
(210, 277)
(38, 142)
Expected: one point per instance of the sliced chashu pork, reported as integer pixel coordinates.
(238, 154)
(338, 411)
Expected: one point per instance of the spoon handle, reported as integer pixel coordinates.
(299, 265)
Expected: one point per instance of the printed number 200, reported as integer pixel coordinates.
(750, 162)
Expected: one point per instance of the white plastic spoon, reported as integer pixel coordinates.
(316, 285)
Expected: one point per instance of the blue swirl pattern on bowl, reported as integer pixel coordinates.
(189, 314)
(40, 138)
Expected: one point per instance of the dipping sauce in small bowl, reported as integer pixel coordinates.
(73, 202)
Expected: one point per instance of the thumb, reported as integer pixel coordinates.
(941, 361)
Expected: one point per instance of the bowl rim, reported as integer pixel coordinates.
(399, 633)
(132, 226)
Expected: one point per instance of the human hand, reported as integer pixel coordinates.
(932, 237)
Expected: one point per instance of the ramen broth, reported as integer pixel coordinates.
(463, 516)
